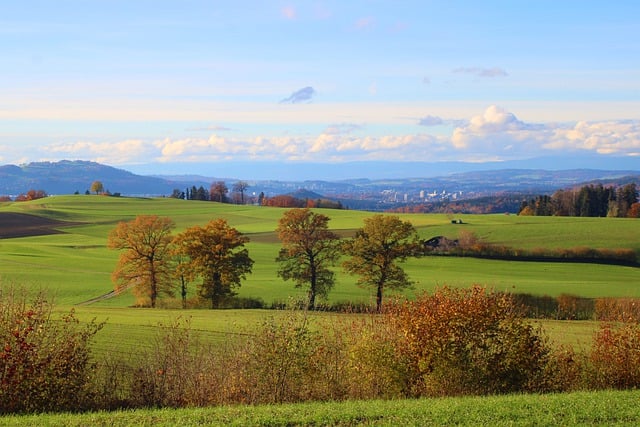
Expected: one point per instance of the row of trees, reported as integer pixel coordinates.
(588, 201)
(218, 192)
(154, 262)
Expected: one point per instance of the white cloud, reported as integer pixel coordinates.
(500, 133)
(609, 137)
(495, 134)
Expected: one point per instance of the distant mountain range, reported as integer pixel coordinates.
(68, 177)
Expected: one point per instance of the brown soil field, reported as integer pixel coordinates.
(24, 225)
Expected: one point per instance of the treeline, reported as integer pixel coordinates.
(450, 343)
(469, 245)
(587, 201)
(219, 192)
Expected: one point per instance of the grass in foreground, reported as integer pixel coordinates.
(583, 408)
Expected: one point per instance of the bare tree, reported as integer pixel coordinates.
(240, 187)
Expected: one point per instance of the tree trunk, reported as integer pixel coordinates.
(379, 298)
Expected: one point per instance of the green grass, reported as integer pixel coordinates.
(585, 408)
(77, 266)
(128, 331)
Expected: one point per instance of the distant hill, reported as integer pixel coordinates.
(67, 177)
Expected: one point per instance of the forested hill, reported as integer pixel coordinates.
(68, 177)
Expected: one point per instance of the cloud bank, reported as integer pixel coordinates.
(494, 134)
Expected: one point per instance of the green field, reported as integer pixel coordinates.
(585, 408)
(76, 265)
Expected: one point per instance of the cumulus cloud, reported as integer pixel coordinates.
(494, 134)
(500, 133)
(482, 72)
(609, 137)
(301, 95)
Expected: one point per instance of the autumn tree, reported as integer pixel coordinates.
(97, 187)
(240, 187)
(215, 253)
(218, 192)
(308, 250)
(376, 249)
(145, 263)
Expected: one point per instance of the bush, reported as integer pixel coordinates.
(615, 357)
(44, 361)
(470, 341)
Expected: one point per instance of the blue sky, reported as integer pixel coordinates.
(172, 83)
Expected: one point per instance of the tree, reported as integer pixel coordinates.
(375, 251)
(240, 187)
(97, 187)
(216, 253)
(308, 250)
(219, 192)
(145, 263)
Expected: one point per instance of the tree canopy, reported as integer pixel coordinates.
(309, 248)
(216, 253)
(375, 251)
(145, 262)
(97, 187)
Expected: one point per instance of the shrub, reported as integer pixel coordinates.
(278, 360)
(615, 357)
(470, 341)
(618, 309)
(44, 361)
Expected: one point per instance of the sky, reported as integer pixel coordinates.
(172, 85)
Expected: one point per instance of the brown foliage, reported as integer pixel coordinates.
(615, 357)
(145, 262)
(216, 253)
(469, 341)
(44, 361)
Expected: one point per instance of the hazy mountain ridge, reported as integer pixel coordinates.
(67, 177)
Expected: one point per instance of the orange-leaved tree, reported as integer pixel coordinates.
(309, 248)
(216, 253)
(145, 263)
(376, 249)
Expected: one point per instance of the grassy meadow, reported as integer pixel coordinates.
(76, 265)
(608, 408)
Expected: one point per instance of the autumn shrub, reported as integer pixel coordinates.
(615, 357)
(573, 307)
(44, 359)
(178, 371)
(377, 368)
(278, 360)
(617, 309)
(470, 341)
